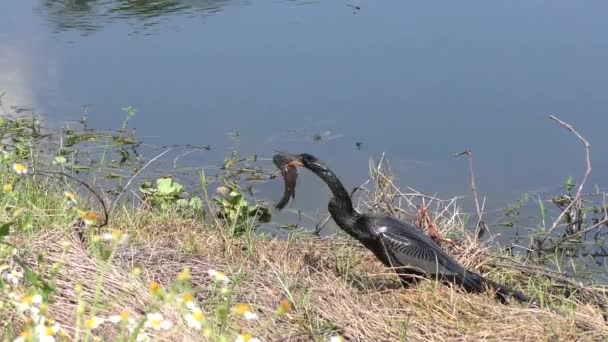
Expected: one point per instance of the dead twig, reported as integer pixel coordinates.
(577, 198)
(480, 228)
(577, 234)
(83, 183)
(137, 174)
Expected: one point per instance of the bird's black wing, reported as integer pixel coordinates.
(409, 248)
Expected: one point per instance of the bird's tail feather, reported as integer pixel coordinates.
(476, 283)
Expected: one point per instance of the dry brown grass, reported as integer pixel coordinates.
(362, 304)
(334, 284)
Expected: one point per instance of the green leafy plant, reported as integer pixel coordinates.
(237, 211)
(170, 194)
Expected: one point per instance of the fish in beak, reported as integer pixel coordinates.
(287, 163)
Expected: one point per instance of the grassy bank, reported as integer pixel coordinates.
(178, 266)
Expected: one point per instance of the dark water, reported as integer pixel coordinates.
(418, 80)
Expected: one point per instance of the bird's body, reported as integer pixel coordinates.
(400, 246)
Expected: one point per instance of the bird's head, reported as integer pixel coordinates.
(311, 162)
(304, 159)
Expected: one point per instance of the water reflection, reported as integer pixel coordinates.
(16, 92)
(88, 16)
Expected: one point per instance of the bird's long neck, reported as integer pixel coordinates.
(340, 206)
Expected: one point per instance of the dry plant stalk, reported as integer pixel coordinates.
(576, 201)
(480, 227)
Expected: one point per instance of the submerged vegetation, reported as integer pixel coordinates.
(94, 247)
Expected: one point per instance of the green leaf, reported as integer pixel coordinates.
(60, 160)
(163, 185)
(569, 184)
(166, 186)
(5, 229)
(196, 203)
(28, 222)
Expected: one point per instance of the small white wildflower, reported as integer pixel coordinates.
(20, 168)
(123, 238)
(124, 316)
(89, 218)
(94, 322)
(14, 277)
(245, 310)
(336, 338)
(115, 235)
(47, 333)
(195, 319)
(29, 302)
(188, 300)
(71, 197)
(246, 338)
(23, 337)
(250, 316)
(219, 276)
(142, 337)
(156, 322)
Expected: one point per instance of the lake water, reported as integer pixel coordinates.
(419, 80)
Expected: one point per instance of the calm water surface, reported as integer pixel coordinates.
(419, 80)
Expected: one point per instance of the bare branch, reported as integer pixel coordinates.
(480, 227)
(137, 174)
(577, 197)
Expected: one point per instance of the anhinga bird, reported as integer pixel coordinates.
(397, 244)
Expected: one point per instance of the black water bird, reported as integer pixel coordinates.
(408, 251)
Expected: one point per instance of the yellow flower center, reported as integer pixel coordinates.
(285, 306)
(154, 286)
(49, 331)
(90, 323)
(242, 308)
(198, 315)
(184, 275)
(27, 300)
(188, 298)
(19, 167)
(246, 337)
(156, 322)
(7, 188)
(88, 216)
(124, 315)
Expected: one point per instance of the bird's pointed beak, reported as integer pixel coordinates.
(295, 163)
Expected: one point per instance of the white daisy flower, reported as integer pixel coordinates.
(246, 338)
(29, 302)
(156, 322)
(94, 322)
(14, 277)
(46, 333)
(20, 168)
(195, 319)
(219, 276)
(245, 310)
